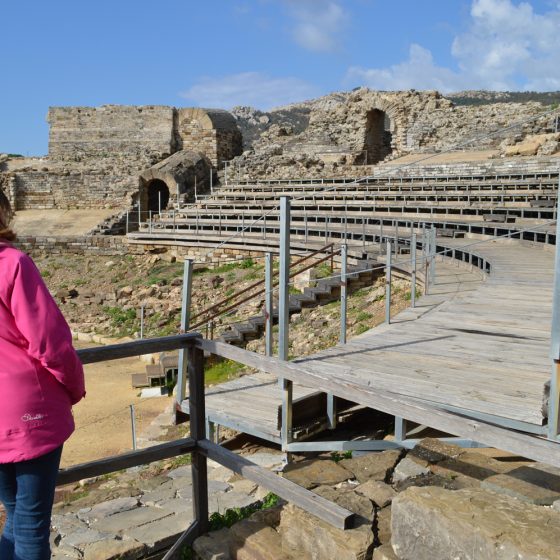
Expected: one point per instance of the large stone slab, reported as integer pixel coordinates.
(348, 499)
(530, 484)
(310, 474)
(372, 466)
(129, 519)
(469, 465)
(161, 533)
(125, 549)
(410, 467)
(434, 450)
(303, 532)
(472, 524)
(106, 509)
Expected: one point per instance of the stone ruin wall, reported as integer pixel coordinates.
(97, 154)
(419, 122)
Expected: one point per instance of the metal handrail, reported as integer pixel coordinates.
(259, 283)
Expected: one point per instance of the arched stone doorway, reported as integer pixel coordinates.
(378, 136)
(158, 195)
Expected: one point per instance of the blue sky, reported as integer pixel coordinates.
(264, 53)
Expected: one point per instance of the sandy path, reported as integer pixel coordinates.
(103, 417)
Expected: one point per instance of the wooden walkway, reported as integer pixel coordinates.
(476, 344)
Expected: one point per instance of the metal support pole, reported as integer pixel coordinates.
(396, 238)
(195, 190)
(426, 260)
(150, 220)
(133, 426)
(197, 414)
(388, 284)
(211, 181)
(363, 233)
(433, 259)
(142, 311)
(400, 429)
(139, 212)
(159, 203)
(284, 318)
(185, 323)
(178, 203)
(413, 270)
(306, 228)
(554, 392)
(127, 222)
(343, 292)
(269, 304)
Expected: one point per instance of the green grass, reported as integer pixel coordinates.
(337, 456)
(361, 328)
(221, 371)
(124, 321)
(363, 316)
(323, 270)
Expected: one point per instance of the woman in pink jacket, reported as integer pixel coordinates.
(41, 378)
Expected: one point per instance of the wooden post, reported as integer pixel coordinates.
(185, 321)
(197, 415)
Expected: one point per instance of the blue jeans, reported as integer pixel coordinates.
(27, 492)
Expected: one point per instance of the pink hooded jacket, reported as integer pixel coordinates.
(41, 376)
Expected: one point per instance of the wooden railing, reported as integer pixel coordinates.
(197, 445)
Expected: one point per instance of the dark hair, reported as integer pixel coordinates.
(6, 215)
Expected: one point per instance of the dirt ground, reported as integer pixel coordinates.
(103, 417)
(58, 222)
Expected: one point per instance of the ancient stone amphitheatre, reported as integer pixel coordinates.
(418, 390)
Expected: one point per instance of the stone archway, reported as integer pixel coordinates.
(158, 195)
(378, 136)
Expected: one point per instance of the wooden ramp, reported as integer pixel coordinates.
(474, 345)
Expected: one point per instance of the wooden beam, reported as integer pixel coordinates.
(125, 461)
(136, 348)
(412, 409)
(309, 501)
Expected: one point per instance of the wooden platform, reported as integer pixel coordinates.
(477, 344)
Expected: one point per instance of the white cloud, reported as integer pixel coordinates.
(248, 88)
(418, 72)
(318, 23)
(506, 47)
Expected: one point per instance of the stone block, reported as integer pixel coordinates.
(134, 518)
(125, 549)
(310, 474)
(384, 552)
(470, 464)
(161, 533)
(378, 492)
(301, 531)
(106, 509)
(472, 524)
(434, 450)
(213, 546)
(372, 466)
(410, 467)
(250, 540)
(382, 525)
(348, 499)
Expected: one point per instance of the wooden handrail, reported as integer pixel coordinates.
(136, 348)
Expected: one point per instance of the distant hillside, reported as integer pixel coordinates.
(475, 97)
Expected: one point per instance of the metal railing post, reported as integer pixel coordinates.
(343, 292)
(388, 284)
(426, 260)
(185, 323)
(269, 302)
(284, 318)
(554, 391)
(413, 270)
(142, 312)
(133, 426)
(433, 256)
(400, 429)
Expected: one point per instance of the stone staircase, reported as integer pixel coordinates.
(326, 290)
